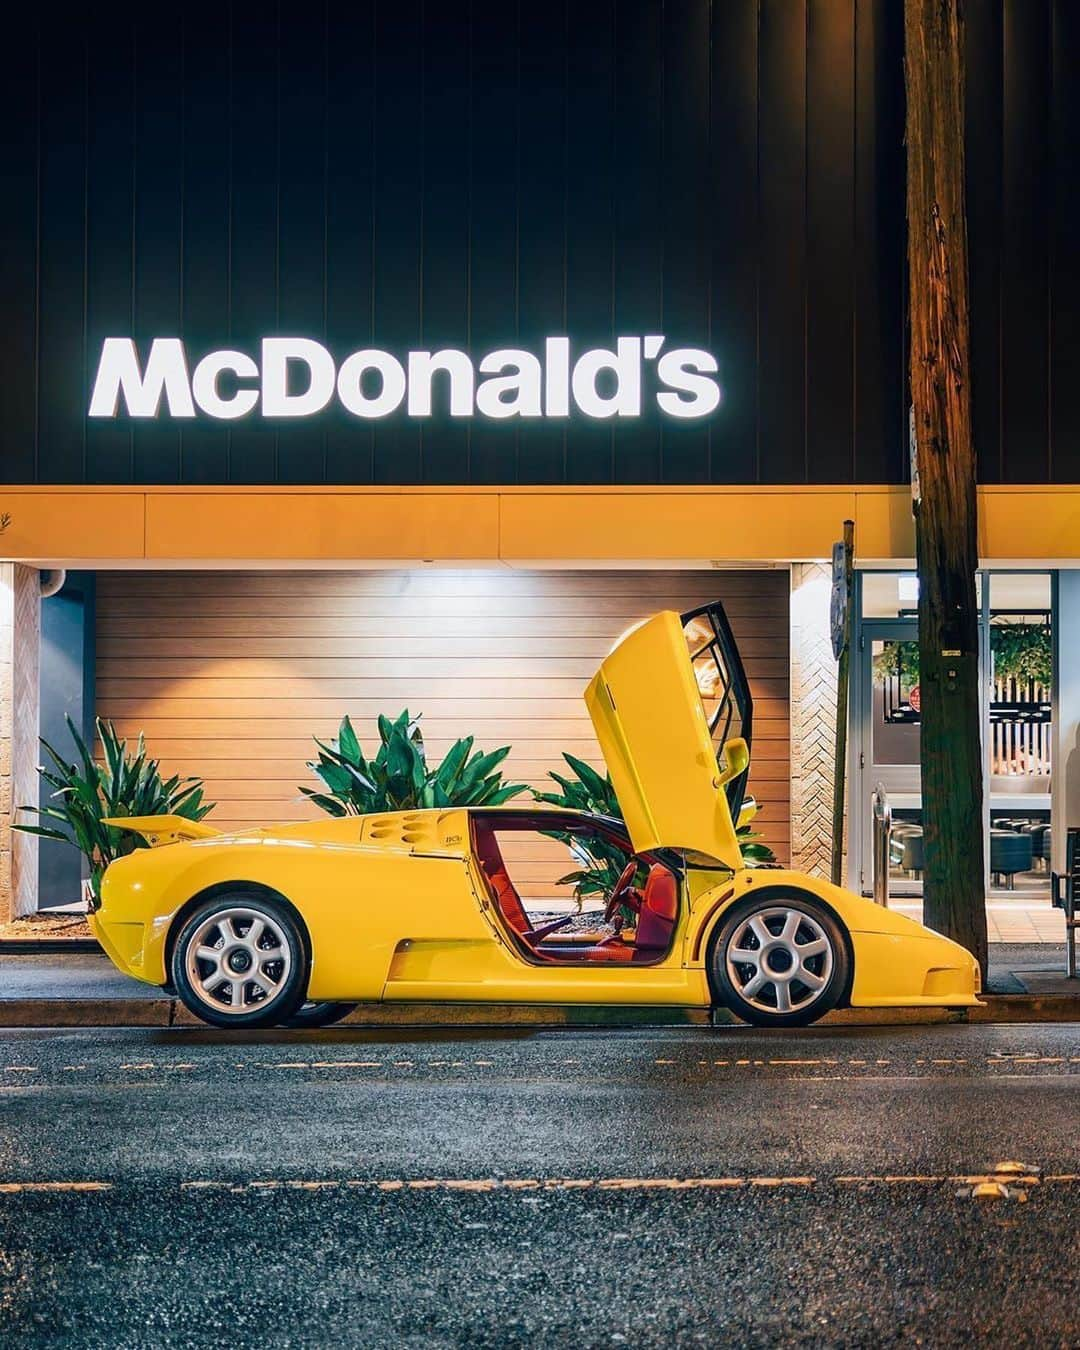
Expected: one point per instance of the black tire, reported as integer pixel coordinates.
(268, 973)
(319, 1014)
(814, 983)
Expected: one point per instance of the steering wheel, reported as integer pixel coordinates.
(621, 895)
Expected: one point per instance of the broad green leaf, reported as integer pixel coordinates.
(455, 757)
(325, 803)
(43, 830)
(348, 744)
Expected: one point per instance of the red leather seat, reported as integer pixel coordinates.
(506, 897)
(656, 922)
(659, 910)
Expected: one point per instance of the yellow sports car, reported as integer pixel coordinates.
(301, 921)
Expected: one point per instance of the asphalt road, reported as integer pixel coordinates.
(578, 1188)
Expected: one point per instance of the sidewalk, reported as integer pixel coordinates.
(1029, 919)
(1027, 983)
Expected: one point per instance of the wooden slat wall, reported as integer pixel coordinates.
(231, 674)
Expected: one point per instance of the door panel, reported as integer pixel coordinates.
(889, 748)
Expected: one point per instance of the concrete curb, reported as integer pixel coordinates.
(169, 1012)
(51, 946)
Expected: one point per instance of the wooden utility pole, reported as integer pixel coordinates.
(943, 489)
(840, 622)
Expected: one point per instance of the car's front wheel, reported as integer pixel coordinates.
(780, 961)
(239, 961)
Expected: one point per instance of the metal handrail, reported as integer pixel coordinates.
(882, 818)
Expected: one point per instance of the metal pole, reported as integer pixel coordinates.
(882, 813)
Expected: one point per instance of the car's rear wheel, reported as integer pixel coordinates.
(319, 1014)
(240, 961)
(780, 961)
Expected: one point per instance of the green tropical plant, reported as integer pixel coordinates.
(1022, 652)
(87, 793)
(898, 659)
(602, 862)
(399, 776)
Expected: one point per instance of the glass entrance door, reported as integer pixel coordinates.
(887, 673)
(1018, 658)
(1016, 641)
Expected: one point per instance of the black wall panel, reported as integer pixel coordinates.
(350, 214)
(736, 260)
(1064, 255)
(205, 274)
(983, 110)
(879, 266)
(60, 371)
(19, 175)
(830, 245)
(109, 213)
(413, 173)
(1025, 296)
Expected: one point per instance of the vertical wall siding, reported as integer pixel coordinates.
(1023, 126)
(231, 674)
(396, 172)
(412, 174)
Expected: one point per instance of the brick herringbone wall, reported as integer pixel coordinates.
(813, 719)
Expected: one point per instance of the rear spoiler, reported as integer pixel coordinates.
(158, 830)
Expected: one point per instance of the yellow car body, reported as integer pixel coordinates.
(397, 906)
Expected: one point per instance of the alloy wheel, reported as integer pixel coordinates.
(237, 959)
(780, 960)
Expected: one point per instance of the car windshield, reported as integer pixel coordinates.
(723, 687)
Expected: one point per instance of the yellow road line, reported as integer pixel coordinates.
(347, 1064)
(518, 1184)
(782, 1181)
(15, 1187)
(511, 1184)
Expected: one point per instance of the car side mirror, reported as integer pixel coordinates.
(736, 760)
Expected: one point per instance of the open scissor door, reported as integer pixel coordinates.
(724, 689)
(669, 705)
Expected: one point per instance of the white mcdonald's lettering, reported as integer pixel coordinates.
(299, 377)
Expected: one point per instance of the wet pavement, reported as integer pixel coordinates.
(578, 1188)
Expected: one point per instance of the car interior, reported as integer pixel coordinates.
(640, 909)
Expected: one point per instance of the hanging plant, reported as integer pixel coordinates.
(898, 659)
(1022, 652)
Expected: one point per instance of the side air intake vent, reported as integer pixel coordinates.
(409, 829)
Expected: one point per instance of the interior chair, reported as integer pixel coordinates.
(655, 925)
(1009, 853)
(506, 897)
(911, 859)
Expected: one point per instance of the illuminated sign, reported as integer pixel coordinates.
(297, 377)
